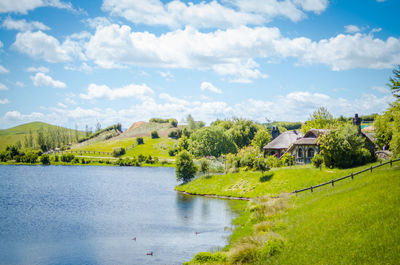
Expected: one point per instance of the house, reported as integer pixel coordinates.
(281, 142)
(305, 148)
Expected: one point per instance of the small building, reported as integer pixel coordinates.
(281, 142)
(305, 148)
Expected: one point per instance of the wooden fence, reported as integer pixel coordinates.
(80, 152)
(332, 182)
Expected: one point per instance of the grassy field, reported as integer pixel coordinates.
(12, 135)
(355, 222)
(253, 183)
(155, 147)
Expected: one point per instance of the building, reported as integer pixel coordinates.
(305, 148)
(281, 142)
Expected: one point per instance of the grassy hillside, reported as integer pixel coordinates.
(13, 135)
(253, 183)
(355, 222)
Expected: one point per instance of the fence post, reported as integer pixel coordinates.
(295, 192)
(390, 163)
(352, 177)
(333, 183)
(371, 169)
(311, 189)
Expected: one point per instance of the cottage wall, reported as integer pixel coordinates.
(304, 153)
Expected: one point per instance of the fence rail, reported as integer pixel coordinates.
(332, 182)
(80, 152)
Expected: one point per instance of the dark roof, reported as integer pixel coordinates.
(284, 140)
(306, 141)
(310, 138)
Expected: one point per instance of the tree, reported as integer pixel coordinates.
(45, 159)
(139, 140)
(204, 165)
(118, 151)
(261, 138)
(211, 141)
(185, 167)
(395, 82)
(183, 144)
(261, 164)
(191, 123)
(344, 148)
(98, 126)
(320, 119)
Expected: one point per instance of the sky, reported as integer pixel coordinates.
(76, 63)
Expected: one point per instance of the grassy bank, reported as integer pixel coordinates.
(252, 184)
(355, 222)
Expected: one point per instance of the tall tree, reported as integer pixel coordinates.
(394, 82)
(320, 119)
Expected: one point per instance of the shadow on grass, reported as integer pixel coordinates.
(207, 176)
(267, 176)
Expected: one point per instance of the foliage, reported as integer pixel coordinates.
(67, 158)
(185, 167)
(173, 122)
(204, 166)
(118, 151)
(30, 157)
(343, 148)
(317, 160)
(175, 134)
(394, 82)
(206, 257)
(211, 141)
(286, 125)
(261, 138)
(139, 140)
(320, 119)
(117, 127)
(154, 135)
(388, 128)
(193, 125)
(183, 144)
(45, 159)
(248, 156)
(261, 164)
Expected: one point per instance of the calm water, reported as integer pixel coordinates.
(89, 215)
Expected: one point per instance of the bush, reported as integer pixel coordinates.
(67, 158)
(175, 134)
(45, 159)
(206, 257)
(154, 135)
(139, 140)
(261, 164)
(317, 160)
(76, 160)
(204, 165)
(118, 151)
(142, 158)
(56, 159)
(185, 167)
(172, 152)
(30, 157)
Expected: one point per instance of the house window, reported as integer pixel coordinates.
(310, 152)
(300, 153)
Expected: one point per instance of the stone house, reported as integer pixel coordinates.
(281, 142)
(305, 148)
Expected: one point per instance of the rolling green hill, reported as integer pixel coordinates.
(18, 133)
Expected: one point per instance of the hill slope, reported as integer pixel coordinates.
(13, 135)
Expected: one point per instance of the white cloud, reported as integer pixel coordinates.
(84, 67)
(102, 91)
(19, 84)
(352, 29)
(23, 6)
(17, 116)
(3, 70)
(206, 86)
(3, 87)
(166, 75)
(232, 52)
(43, 46)
(234, 13)
(41, 69)
(98, 22)
(62, 105)
(381, 89)
(41, 79)
(4, 101)
(23, 25)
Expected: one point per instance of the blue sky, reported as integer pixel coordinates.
(74, 63)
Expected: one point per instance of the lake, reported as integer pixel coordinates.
(91, 215)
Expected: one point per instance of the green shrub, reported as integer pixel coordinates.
(67, 158)
(317, 160)
(56, 158)
(185, 167)
(118, 151)
(139, 140)
(175, 134)
(30, 157)
(76, 160)
(45, 159)
(154, 135)
(142, 158)
(204, 165)
(205, 257)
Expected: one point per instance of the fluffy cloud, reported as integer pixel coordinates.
(41, 79)
(3, 87)
(3, 70)
(23, 25)
(129, 91)
(40, 45)
(23, 6)
(4, 101)
(17, 116)
(232, 52)
(352, 29)
(206, 86)
(177, 14)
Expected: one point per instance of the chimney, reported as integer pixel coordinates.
(357, 122)
(275, 132)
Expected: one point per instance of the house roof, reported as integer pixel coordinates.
(310, 138)
(284, 140)
(306, 141)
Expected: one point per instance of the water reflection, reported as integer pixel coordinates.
(89, 215)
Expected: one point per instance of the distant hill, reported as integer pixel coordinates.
(13, 135)
(142, 128)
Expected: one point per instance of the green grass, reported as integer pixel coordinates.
(355, 222)
(155, 147)
(251, 184)
(12, 135)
